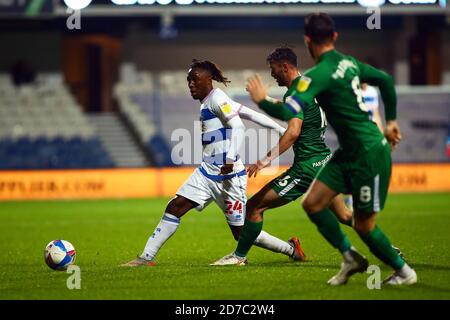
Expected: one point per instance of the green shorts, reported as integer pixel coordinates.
(365, 177)
(296, 180)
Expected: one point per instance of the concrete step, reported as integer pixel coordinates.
(118, 141)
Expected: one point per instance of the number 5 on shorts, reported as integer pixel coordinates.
(283, 182)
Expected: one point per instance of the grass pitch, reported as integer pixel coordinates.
(108, 233)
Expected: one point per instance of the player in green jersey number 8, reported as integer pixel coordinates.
(362, 164)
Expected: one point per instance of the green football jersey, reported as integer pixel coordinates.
(335, 82)
(311, 142)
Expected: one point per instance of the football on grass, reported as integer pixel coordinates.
(59, 254)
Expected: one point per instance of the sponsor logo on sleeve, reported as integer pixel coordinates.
(303, 84)
(226, 108)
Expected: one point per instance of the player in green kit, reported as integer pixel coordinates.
(362, 164)
(305, 133)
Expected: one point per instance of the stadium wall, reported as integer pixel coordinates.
(385, 48)
(149, 52)
(150, 183)
(40, 49)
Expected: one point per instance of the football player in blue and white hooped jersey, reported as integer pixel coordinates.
(370, 96)
(221, 177)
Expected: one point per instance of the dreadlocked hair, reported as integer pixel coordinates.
(212, 68)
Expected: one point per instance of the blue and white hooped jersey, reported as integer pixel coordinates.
(215, 112)
(370, 96)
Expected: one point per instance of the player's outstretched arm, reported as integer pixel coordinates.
(286, 141)
(261, 119)
(258, 93)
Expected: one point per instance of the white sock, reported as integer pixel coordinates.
(405, 271)
(267, 241)
(165, 229)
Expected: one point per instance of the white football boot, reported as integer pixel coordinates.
(354, 262)
(400, 277)
(229, 260)
(139, 262)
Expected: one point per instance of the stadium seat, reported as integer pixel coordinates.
(160, 151)
(42, 127)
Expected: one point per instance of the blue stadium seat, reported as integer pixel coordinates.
(57, 153)
(160, 151)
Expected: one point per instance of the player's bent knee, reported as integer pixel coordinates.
(252, 204)
(313, 204)
(178, 206)
(361, 229)
(255, 215)
(309, 205)
(364, 224)
(254, 210)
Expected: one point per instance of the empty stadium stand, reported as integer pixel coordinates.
(135, 94)
(42, 127)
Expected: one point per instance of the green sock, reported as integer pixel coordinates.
(249, 233)
(328, 226)
(381, 247)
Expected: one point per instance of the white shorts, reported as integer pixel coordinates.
(228, 194)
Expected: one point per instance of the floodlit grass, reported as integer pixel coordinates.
(108, 233)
